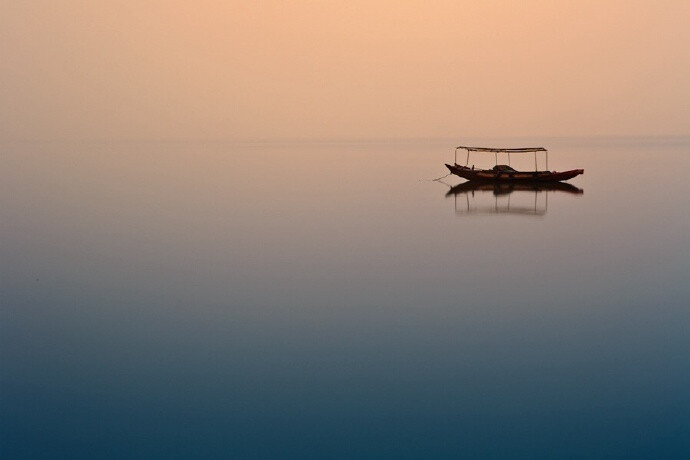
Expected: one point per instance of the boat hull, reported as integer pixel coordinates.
(512, 176)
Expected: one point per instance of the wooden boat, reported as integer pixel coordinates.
(506, 172)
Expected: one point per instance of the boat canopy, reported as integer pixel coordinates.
(508, 151)
(489, 149)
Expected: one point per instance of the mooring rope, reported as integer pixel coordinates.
(438, 179)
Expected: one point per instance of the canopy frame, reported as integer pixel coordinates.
(496, 151)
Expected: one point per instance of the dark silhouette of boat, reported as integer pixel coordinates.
(505, 173)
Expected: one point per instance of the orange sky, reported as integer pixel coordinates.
(208, 69)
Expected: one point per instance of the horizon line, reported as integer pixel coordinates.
(340, 139)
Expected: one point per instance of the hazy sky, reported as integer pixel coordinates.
(149, 69)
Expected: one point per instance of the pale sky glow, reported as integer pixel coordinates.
(236, 70)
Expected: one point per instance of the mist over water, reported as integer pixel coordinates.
(219, 236)
(212, 299)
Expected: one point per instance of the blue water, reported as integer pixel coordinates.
(324, 300)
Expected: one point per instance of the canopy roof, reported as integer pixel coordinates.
(488, 149)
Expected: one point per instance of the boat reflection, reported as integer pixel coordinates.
(527, 199)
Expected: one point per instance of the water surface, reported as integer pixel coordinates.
(324, 300)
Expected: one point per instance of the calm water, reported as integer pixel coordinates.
(209, 300)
